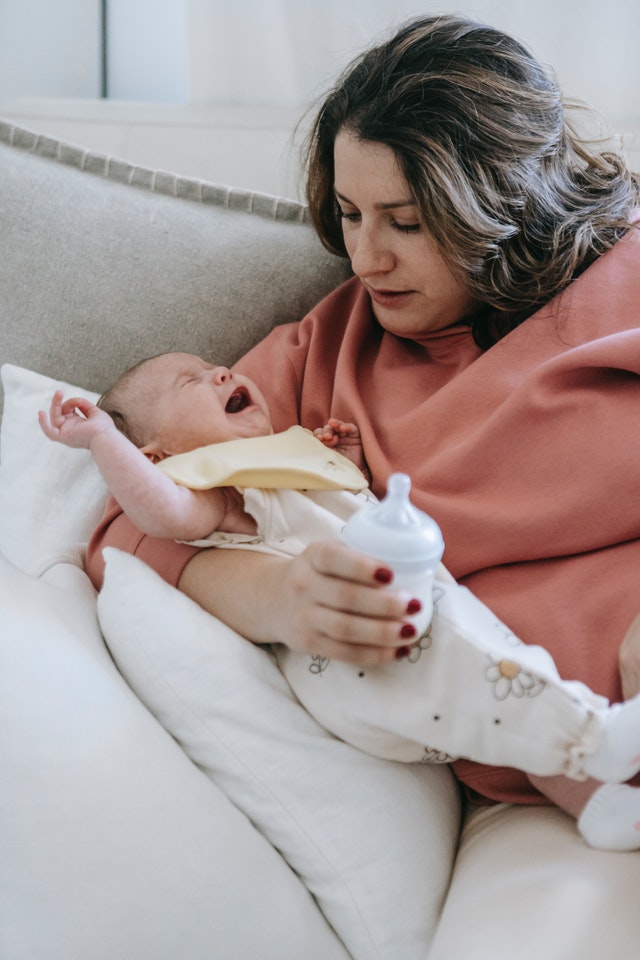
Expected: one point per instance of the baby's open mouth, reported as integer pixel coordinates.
(238, 400)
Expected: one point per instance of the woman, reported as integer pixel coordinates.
(487, 346)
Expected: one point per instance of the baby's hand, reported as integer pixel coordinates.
(345, 438)
(338, 433)
(74, 422)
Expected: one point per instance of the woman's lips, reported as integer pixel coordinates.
(389, 298)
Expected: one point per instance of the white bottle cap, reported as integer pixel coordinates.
(395, 531)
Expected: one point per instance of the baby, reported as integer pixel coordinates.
(468, 688)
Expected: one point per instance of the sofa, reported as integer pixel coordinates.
(162, 793)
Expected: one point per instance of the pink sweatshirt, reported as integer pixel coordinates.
(527, 455)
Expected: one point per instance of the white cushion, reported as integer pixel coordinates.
(373, 840)
(527, 886)
(51, 497)
(113, 844)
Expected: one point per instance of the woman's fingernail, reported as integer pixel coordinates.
(407, 631)
(383, 575)
(414, 606)
(402, 653)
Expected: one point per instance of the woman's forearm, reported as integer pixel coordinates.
(329, 601)
(629, 658)
(238, 587)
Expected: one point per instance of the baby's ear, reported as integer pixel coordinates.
(152, 451)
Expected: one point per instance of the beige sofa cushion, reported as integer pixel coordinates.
(103, 263)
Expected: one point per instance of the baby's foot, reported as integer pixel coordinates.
(617, 757)
(611, 818)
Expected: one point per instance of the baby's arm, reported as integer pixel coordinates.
(152, 501)
(345, 438)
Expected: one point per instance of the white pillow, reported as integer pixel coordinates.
(51, 497)
(373, 840)
(112, 844)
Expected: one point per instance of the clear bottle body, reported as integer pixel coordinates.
(404, 539)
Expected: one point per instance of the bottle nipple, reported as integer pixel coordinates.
(396, 510)
(395, 531)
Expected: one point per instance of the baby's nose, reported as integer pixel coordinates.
(222, 374)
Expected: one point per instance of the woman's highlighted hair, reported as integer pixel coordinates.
(517, 202)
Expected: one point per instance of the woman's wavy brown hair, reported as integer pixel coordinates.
(518, 203)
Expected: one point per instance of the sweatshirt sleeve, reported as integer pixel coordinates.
(167, 557)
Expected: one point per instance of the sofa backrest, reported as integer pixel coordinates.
(103, 263)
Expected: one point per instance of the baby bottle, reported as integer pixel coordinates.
(405, 539)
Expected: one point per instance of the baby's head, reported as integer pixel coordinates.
(176, 402)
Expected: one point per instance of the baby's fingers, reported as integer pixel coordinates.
(343, 428)
(55, 408)
(327, 435)
(50, 422)
(77, 404)
(45, 425)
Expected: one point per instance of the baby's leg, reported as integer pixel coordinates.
(608, 815)
(470, 689)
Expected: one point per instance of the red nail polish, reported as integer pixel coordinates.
(414, 606)
(402, 653)
(383, 575)
(408, 630)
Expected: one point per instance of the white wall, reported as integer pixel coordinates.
(248, 69)
(49, 48)
(148, 50)
(282, 52)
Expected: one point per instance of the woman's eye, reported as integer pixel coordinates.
(406, 227)
(351, 217)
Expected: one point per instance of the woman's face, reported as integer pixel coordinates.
(412, 289)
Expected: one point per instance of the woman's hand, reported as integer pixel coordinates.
(329, 601)
(629, 661)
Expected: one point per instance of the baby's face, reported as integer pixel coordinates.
(195, 403)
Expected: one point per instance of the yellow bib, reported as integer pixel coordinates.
(293, 459)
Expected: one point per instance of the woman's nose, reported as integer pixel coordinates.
(369, 254)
